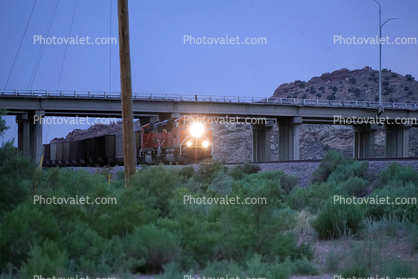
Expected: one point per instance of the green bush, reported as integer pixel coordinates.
(331, 96)
(17, 175)
(329, 163)
(221, 269)
(171, 270)
(354, 186)
(47, 260)
(312, 198)
(222, 184)
(409, 77)
(23, 228)
(159, 182)
(332, 261)
(187, 172)
(396, 172)
(157, 246)
(359, 271)
(304, 267)
(208, 168)
(401, 212)
(413, 237)
(397, 268)
(346, 169)
(335, 220)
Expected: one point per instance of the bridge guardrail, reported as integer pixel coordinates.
(208, 98)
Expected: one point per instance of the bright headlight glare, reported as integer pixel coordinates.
(189, 143)
(197, 130)
(205, 143)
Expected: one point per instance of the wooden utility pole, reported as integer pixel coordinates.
(126, 92)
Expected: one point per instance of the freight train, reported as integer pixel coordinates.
(182, 140)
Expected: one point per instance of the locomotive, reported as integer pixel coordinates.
(182, 140)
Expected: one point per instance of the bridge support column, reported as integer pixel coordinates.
(30, 134)
(397, 140)
(262, 142)
(364, 138)
(289, 138)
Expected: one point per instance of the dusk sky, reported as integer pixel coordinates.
(299, 35)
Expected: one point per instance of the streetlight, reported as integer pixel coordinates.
(380, 55)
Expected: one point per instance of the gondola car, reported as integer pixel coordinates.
(177, 140)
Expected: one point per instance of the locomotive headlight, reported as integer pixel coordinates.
(197, 130)
(205, 143)
(189, 143)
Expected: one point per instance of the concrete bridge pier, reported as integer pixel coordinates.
(262, 142)
(289, 138)
(364, 141)
(30, 134)
(397, 140)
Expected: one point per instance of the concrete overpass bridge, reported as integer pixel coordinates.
(288, 113)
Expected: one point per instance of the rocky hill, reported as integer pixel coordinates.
(96, 131)
(360, 85)
(315, 140)
(232, 143)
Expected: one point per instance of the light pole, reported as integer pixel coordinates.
(380, 55)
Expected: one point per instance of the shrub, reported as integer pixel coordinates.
(358, 271)
(392, 190)
(352, 80)
(157, 246)
(222, 184)
(387, 77)
(406, 88)
(332, 261)
(23, 228)
(221, 268)
(312, 90)
(331, 97)
(409, 77)
(17, 175)
(171, 270)
(385, 83)
(413, 237)
(319, 95)
(396, 268)
(394, 74)
(302, 84)
(159, 182)
(321, 88)
(304, 267)
(187, 172)
(47, 260)
(335, 220)
(396, 172)
(354, 186)
(207, 170)
(329, 163)
(313, 198)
